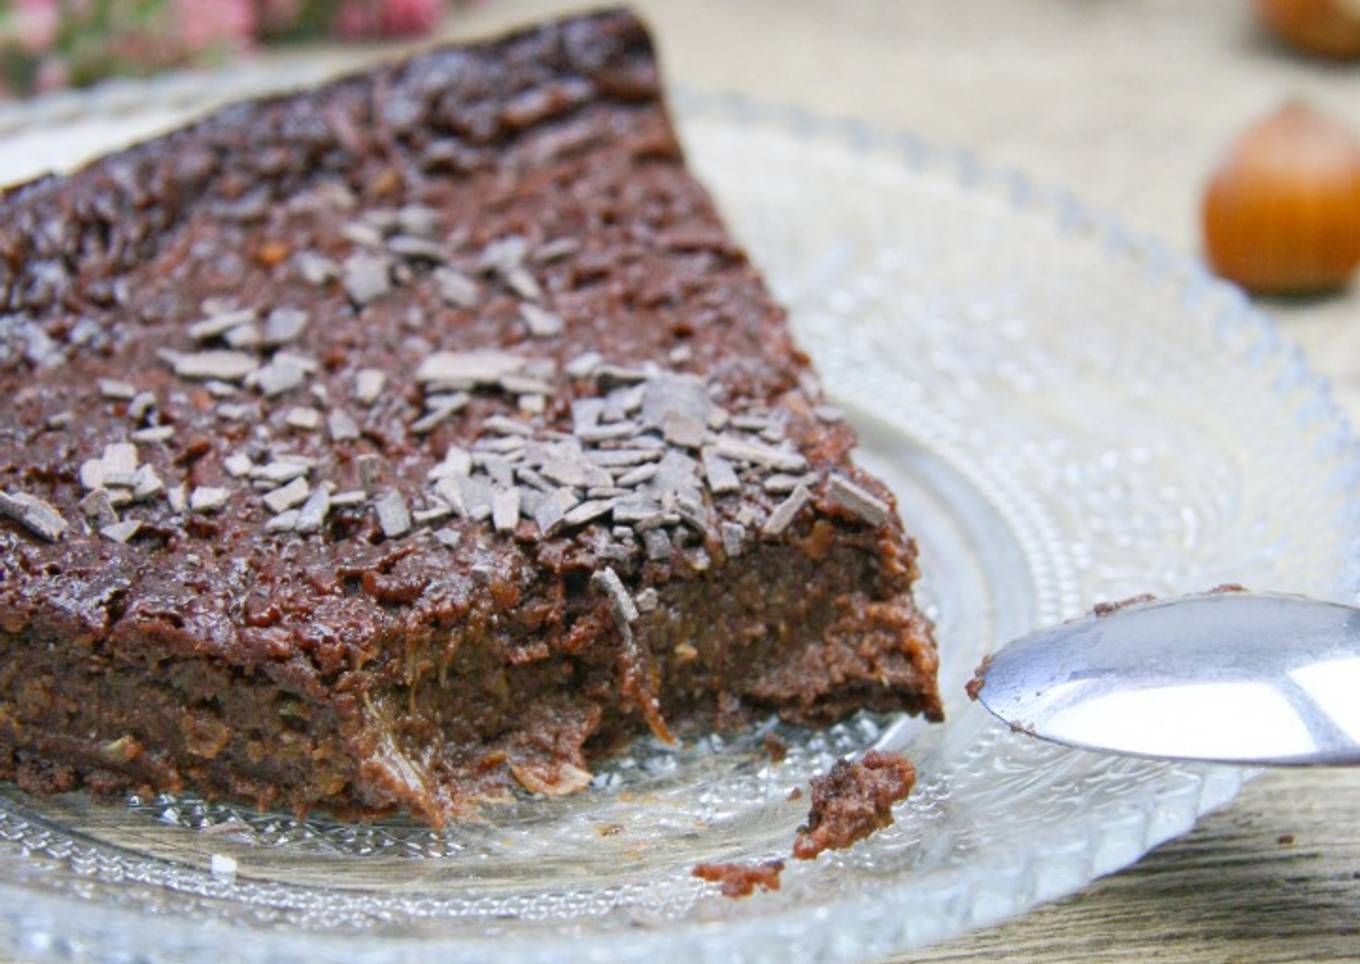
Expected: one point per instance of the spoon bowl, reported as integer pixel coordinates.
(1233, 677)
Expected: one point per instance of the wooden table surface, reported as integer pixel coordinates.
(1127, 102)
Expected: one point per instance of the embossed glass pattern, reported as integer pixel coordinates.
(1067, 414)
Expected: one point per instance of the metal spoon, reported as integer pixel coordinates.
(1232, 677)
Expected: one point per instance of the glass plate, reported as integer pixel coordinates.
(1066, 414)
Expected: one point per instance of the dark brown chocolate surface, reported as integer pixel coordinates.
(396, 444)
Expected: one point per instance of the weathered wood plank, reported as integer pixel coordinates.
(1274, 876)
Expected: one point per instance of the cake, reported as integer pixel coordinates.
(414, 441)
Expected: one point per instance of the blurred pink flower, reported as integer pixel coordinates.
(54, 43)
(36, 23)
(387, 18)
(398, 17)
(209, 23)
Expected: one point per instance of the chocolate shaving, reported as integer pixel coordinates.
(37, 516)
(583, 365)
(784, 513)
(283, 522)
(762, 455)
(587, 512)
(457, 289)
(409, 246)
(556, 250)
(208, 498)
(223, 365)
(522, 283)
(367, 277)
(97, 506)
(313, 512)
(469, 368)
(553, 509)
(243, 336)
(540, 322)
(238, 465)
(283, 325)
(141, 404)
(393, 516)
(368, 384)
(621, 605)
(341, 426)
(315, 268)
(857, 500)
(278, 376)
(218, 324)
(115, 390)
(306, 419)
(120, 532)
(287, 496)
(719, 472)
(505, 509)
(733, 538)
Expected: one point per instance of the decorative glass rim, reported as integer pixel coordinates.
(891, 917)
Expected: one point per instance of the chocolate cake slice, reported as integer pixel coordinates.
(397, 444)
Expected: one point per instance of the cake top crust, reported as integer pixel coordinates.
(323, 372)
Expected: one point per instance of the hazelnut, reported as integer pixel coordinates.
(1282, 210)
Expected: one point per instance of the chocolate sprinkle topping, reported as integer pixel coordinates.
(341, 426)
(224, 365)
(540, 322)
(393, 516)
(116, 390)
(505, 509)
(207, 498)
(784, 513)
(368, 384)
(287, 496)
(852, 497)
(98, 506)
(283, 325)
(120, 531)
(621, 605)
(457, 289)
(367, 277)
(38, 516)
(313, 512)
